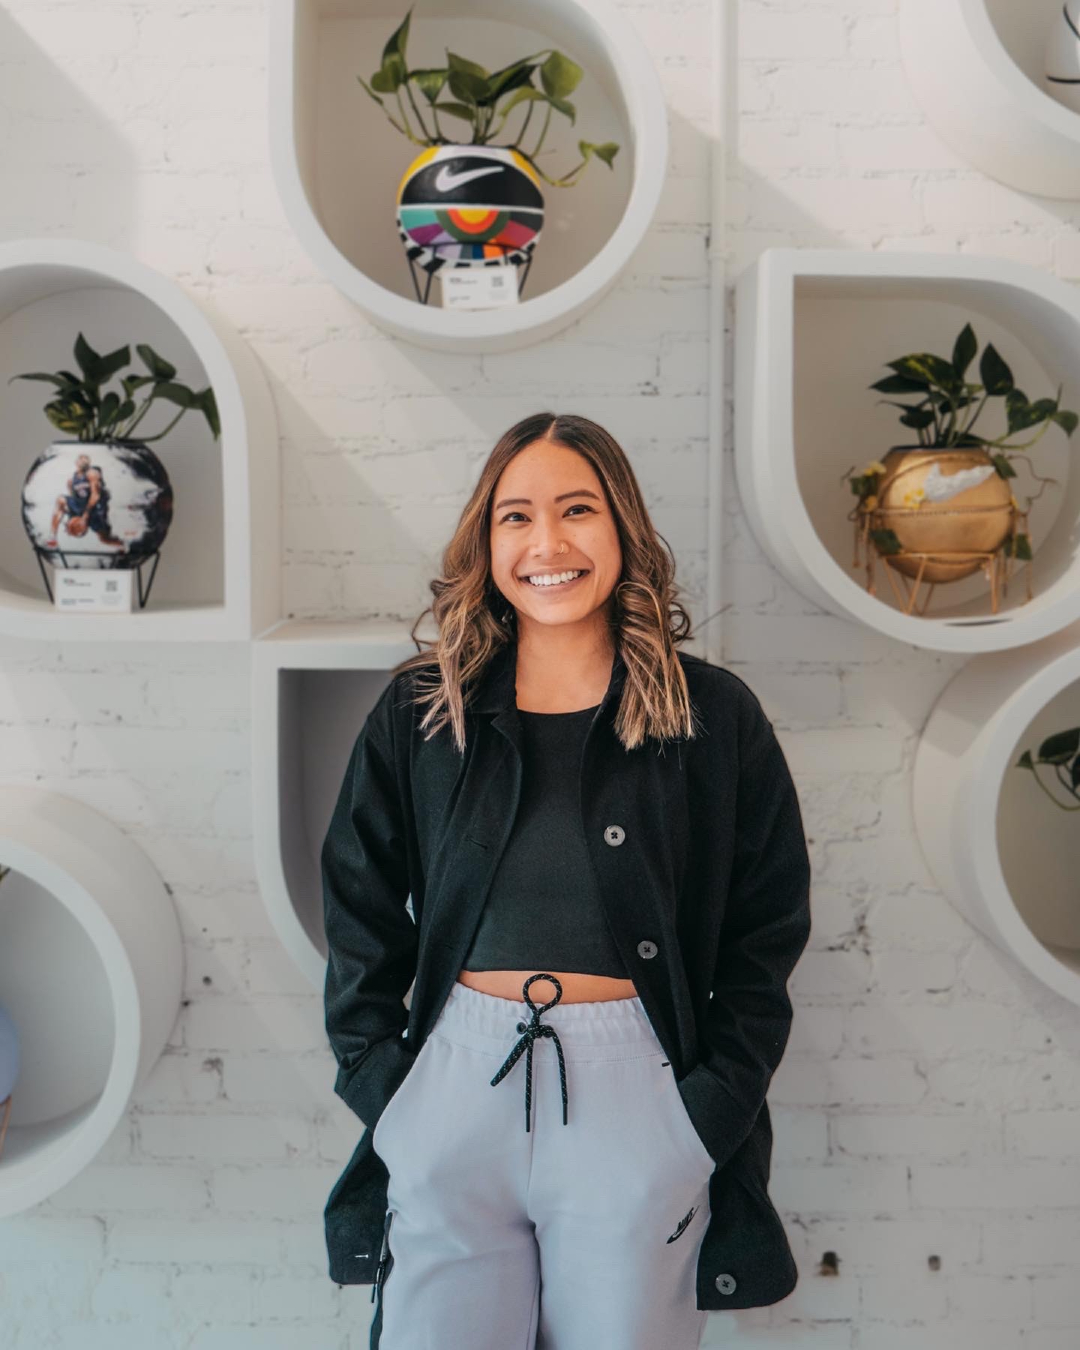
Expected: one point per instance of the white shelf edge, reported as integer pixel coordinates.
(107, 883)
(765, 457)
(478, 331)
(251, 503)
(982, 104)
(964, 753)
(299, 645)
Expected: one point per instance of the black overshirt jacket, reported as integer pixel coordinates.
(706, 890)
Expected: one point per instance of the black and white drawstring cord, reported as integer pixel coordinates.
(531, 1031)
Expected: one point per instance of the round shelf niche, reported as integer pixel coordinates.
(1003, 853)
(91, 967)
(814, 329)
(976, 69)
(338, 162)
(313, 685)
(218, 575)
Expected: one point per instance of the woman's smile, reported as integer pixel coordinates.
(546, 587)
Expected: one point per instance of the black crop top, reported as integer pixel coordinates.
(543, 911)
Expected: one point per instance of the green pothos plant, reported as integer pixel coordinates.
(1061, 753)
(467, 92)
(80, 408)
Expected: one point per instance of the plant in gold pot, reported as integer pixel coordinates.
(940, 509)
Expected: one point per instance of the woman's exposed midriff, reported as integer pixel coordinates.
(576, 986)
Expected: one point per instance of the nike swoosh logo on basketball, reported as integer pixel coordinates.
(447, 180)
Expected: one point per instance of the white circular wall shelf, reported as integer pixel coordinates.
(219, 571)
(313, 684)
(91, 966)
(1005, 855)
(976, 68)
(814, 329)
(337, 161)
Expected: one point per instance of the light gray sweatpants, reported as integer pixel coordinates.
(575, 1236)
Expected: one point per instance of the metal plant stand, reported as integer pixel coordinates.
(64, 553)
(523, 271)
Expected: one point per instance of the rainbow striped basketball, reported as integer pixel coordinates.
(469, 206)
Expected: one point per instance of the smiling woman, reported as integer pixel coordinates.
(514, 780)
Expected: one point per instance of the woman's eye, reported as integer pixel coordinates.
(579, 506)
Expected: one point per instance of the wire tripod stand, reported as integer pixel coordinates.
(523, 269)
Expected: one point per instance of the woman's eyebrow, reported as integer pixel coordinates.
(527, 501)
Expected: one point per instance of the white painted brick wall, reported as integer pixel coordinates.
(929, 1102)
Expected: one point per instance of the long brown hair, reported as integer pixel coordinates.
(475, 620)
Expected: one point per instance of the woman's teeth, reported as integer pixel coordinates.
(555, 580)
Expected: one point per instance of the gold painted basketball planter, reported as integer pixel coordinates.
(951, 512)
(469, 206)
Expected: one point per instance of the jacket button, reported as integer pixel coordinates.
(646, 949)
(614, 835)
(725, 1283)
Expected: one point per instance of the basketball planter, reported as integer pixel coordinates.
(103, 499)
(472, 204)
(95, 504)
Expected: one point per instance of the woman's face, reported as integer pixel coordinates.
(550, 515)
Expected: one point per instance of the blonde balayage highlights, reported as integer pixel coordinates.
(475, 620)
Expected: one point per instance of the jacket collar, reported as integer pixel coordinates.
(498, 681)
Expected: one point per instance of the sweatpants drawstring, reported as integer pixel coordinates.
(531, 1031)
